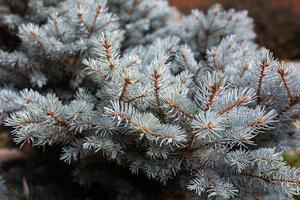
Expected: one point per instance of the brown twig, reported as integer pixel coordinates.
(238, 102)
(138, 97)
(156, 75)
(173, 104)
(38, 40)
(57, 120)
(283, 75)
(80, 16)
(270, 179)
(295, 101)
(98, 12)
(108, 55)
(184, 58)
(216, 87)
(259, 121)
(127, 82)
(131, 63)
(263, 65)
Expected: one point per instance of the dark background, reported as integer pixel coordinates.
(277, 22)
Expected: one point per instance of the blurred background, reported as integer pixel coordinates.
(277, 22)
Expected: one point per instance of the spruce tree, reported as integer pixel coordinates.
(190, 101)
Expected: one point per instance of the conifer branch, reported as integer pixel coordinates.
(97, 14)
(271, 180)
(239, 101)
(156, 75)
(290, 105)
(127, 82)
(57, 120)
(107, 47)
(156, 106)
(283, 73)
(259, 121)
(215, 88)
(263, 65)
(173, 105)
(141, 96)
(79, 14)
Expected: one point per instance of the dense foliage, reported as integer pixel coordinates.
(185, 98)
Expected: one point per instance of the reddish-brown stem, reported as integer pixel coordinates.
(214, 60)
(118, 114)
(283, 74)
(156, 75)
(263, 65)
(259, 121)
(127, 82)
(270, 179)
(57, 120)
(38, 40)
(234, 104)
(49, 113)
(295, 101)
(185, 59)
(137, 97)
(130, 64)
(172, 104)
(216, 87)
(80, 16)
(108, 55)
(98, 12)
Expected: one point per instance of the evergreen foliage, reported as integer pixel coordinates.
(55, 37)
(194, 100)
